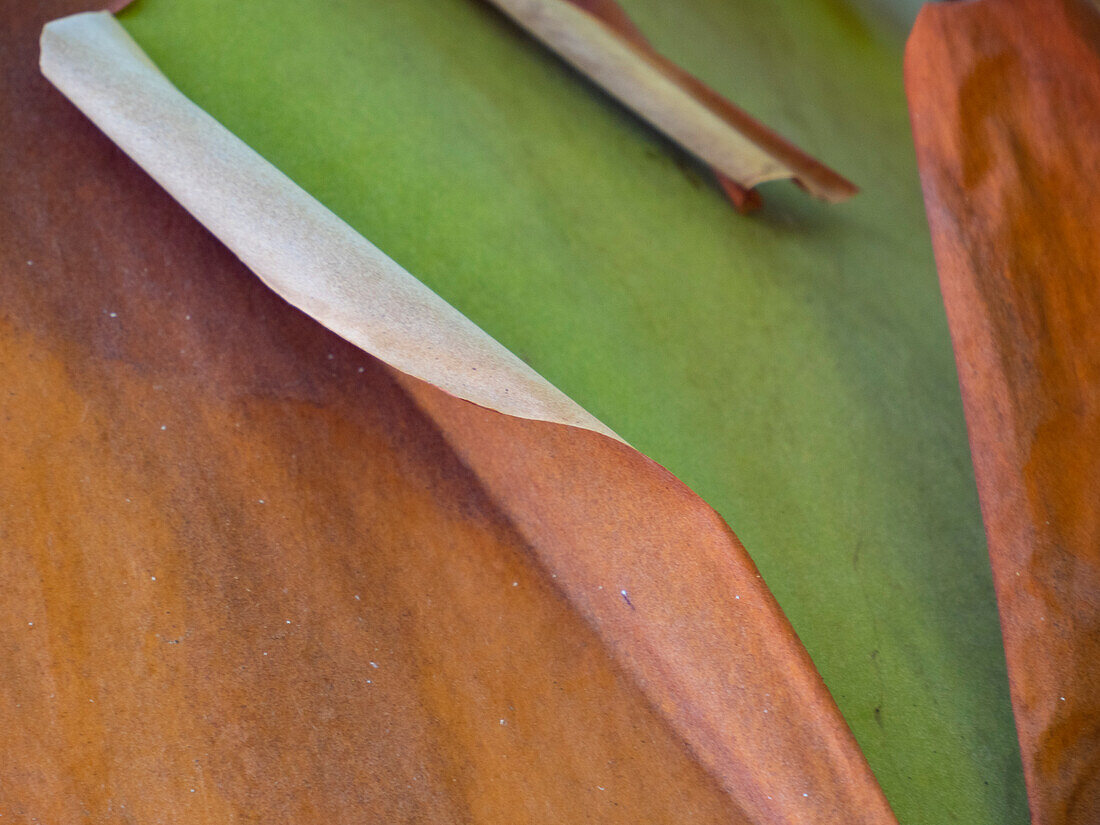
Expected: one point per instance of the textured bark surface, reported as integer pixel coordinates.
(251, 574)
(1005, 101)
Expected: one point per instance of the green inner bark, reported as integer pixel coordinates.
(794, 368)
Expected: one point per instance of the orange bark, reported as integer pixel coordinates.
(1005, 103)
(252, 574)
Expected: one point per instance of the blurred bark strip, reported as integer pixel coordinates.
(1005, 104)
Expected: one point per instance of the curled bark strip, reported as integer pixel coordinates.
(295, 244)
(744, 199)
(598, 39)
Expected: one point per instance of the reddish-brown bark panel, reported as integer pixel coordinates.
(187, 464)
(252, 574)
(1005, 103)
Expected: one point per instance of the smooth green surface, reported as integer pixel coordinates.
(794, 368)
